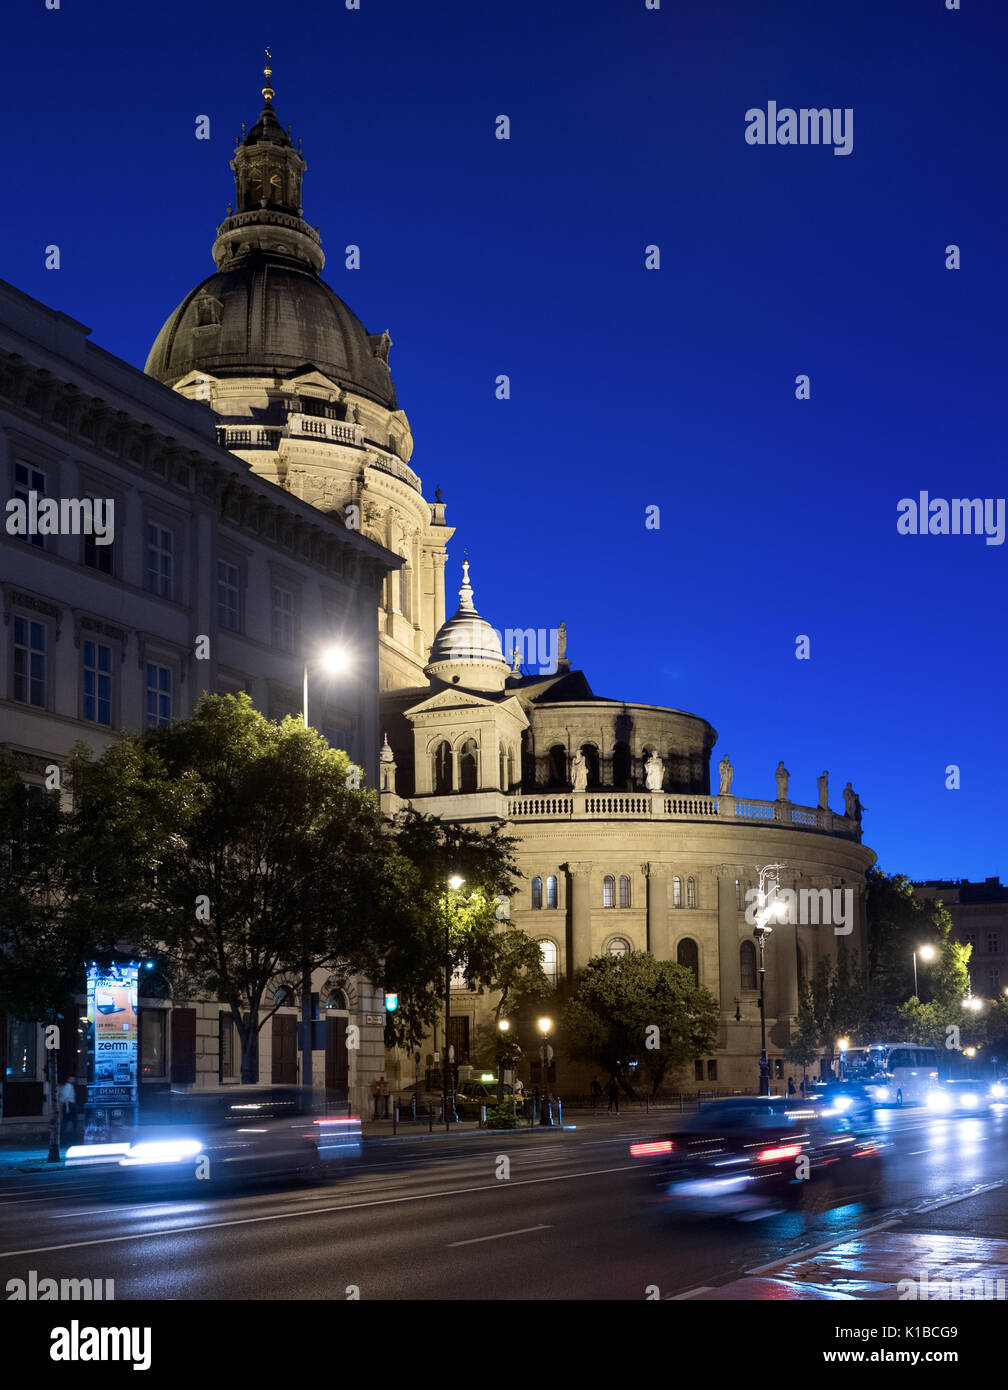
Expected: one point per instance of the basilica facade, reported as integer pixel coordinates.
(622, 843)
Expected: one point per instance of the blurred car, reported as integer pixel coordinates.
(743, 1156)
(962, 1097)
(851, 1098)
(471, 1096)
(999, 1091)
(228, 1136)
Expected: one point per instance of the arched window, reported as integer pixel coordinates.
(747, 965)
(503, 771)
(558, 766)
(621, 767)
(691, 892)
(510, 769)
(624, 891)
(442, 769)
(618, 946)
(591, 757)
(677, 891)
(467, 766)
(738, 894)
(687, 954)
(608, 891)
(405, 591)
(537, 893)
(549, 956)
(551, 891)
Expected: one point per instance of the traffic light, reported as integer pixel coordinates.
(391, 1002)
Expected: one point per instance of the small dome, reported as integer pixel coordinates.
(467, 651)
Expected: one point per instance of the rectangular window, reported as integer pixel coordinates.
(20, 1047)
(159, 563)
(992, 942)
(98, 683)
(28, 479)
(159, 696)
(994, 980)
(712, 1070)
(228, 596)
(698, 1070)
(677, 892)
(283, 619)
(98, 557)
(152, 1043)
(226, 1045)
(30, 662)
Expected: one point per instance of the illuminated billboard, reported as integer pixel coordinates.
(114, 1035)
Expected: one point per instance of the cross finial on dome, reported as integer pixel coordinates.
(268, 91)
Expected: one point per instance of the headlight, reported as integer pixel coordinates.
(880, 1092)
(162, 1151)
(999, 1090)
(969, 1099)
(842, 1103)
(939, 1100)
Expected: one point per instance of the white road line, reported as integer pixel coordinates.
(962, 1197)
(692, 1293)
(916, 1153)
(809, 1249)
(315, 1211)
(503, 1234)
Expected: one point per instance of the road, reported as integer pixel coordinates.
(436, 1219)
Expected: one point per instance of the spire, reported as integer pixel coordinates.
(268, 91)
(466, 604)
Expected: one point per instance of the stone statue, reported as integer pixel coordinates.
(782, 781)
(727, 773)
(654, 773)
(579, 771)
(852, 804)
(823, 784)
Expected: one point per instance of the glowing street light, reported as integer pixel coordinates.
(455, 882)
(335, 661)
(925, 953)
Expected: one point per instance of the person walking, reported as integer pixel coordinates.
(791, 1089)
(612, 1090)
(68, 1104)
(376, 1092)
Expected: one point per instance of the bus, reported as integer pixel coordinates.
(896, 1073)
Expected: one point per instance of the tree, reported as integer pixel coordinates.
(898, 923)
(633, 1010)
(262, 860)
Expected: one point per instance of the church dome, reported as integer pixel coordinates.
(270, 314)
(267, 310)
(467, 650)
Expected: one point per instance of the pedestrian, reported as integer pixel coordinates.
(802, 1087)
(68, 1104)
(612, 1090)
(383, 1091)
(791, 1088)
(376, 1092)
(596, 1092)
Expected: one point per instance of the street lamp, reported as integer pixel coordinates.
(335, 660)
(842, 1045)
(545, 1052)
(925, 953)
(503, 1028)
(768, 907)
(454, 883)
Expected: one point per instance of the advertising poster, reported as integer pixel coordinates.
(113, 1029)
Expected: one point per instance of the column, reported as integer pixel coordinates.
(658, 942)
(728, 942)
(579, 917)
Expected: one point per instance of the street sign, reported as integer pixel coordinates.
(375, 1020)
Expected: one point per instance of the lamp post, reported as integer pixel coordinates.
(334, 660)
(503, 1028)
(768, 908)
(545, 1052)
(925, 953)
(454, 883)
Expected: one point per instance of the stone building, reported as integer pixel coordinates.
(101, 631)
(979, 913)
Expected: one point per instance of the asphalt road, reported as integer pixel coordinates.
(436, 1219)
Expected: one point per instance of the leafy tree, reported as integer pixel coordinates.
(636, 1009)
(258, 858)
(898, 923)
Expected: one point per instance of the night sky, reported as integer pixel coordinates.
(630, 387)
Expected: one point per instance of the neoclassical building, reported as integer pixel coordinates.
(303, 394)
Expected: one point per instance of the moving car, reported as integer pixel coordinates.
(962, 1097)
(752, 1154)
(228, 1136)
(852, 1098)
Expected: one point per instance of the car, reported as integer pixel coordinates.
(471, 1096)
(961, 1097)
(852, 1098)
(748, 1155)
(228, 1136)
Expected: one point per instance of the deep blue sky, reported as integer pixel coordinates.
(629, 387)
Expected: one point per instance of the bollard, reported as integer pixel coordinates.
(395, 1118)
(430, 1119)
(559, 1111)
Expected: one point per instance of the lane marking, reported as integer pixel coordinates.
(502, 1236)
(812, 1249)
(961, 1197)
(692, 1293)
(315, 1211)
